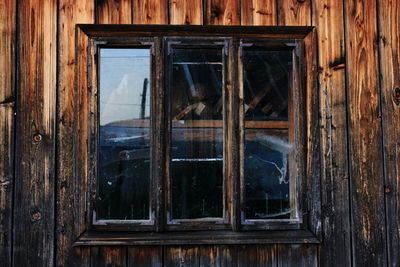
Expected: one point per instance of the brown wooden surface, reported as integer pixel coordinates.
(365, 136)
(294, 12)
(151, 256)
(259, 12)
(389, 44)
(256, 256)
(150, 11)
(357, 21)
(186, 12)
(222, 12)
(7, 103)
(297, 255)
(113, 11)
(328, 17)
(34, 221)
(108, 256)
(70, 187)
(183, 256)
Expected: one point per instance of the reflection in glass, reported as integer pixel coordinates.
(124, 153)
(196, 136)
(266, 77)
(266, 84)
(267, 174)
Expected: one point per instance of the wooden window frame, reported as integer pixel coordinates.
(306, 227)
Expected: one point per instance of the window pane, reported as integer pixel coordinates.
(124, 154)
(267, 155)
(197, 136)
(266, 170)
(266, 76)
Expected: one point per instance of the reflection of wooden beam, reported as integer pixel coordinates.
(254, 102)
(185, 111)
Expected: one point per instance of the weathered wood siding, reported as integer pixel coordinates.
(42, 163)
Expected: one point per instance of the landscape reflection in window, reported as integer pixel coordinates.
(124, 133)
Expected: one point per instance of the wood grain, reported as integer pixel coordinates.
(365, 133)
(299, 255)
(389, 22)
(181, 256)
(259, 12)
(108, 256)
(223, 12)
(6, 180)
(186, 12)
(294, 12)
(113, 11)
(335, 217)
(150, 12)
(71, 187)
(256, 256)
(35, 134)
(7, 101)
(145, 256)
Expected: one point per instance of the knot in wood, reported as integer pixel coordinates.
(396, 95)
(36, 216)
(387, 190)
(37, 138)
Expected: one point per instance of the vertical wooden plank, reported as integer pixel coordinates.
(7, 81)
(6, 180)
(150, 12)
(35, 136)
(328, 18)
(294, 12)
(259, 12)
(366, 170)
(389, 25)
(108, 256)
(181, 256)
(223, 12)
(299, 255)
(186, 12)
(256, 256)
(219, 255)
(114, 11)
(71, 187)
(82, 255)
(145, 256)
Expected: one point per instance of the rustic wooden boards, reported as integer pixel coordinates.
(71, 185)
(259, 12)
(328, 17)
(389, 36)
(365, 136)
(34, 220)
(36, 113)
(186, 12)
(114, 11)
(150, 12)
(222, 12)
(7, 103)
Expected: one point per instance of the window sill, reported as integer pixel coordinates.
(196, 238)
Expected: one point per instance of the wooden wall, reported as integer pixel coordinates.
(358, 65)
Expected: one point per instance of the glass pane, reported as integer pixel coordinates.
(124, 152)
(197, 136)
(266, 81)
(266, 170)
(266, 77)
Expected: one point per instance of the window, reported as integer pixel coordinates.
(199, 129)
